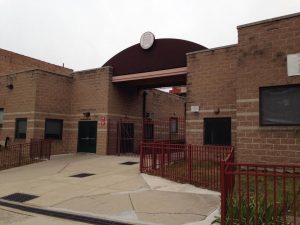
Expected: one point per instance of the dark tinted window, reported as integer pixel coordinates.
(21, 128)
(53, 129)
(1, 117)
(217, 131)
(280, 105)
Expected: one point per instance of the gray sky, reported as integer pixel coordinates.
(84, 34)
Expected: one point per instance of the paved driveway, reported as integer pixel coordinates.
(115, 191)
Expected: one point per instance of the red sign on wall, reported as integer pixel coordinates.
(103, 121)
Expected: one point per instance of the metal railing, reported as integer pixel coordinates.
(26, 153)
(257, 194)
(194, 164)
(251, 194)
(126, 134)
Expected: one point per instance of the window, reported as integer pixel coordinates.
(21, 128)
(217, 131)
(173, 125)
(53, 129)
(280, 105)
(1, 117)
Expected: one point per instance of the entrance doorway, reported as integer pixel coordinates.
(148, 131)
(87, 136)
(127, 138)
(217, 131)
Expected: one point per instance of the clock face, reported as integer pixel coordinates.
(147, 40)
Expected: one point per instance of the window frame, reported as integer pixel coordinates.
(17, 134)
(261, 104)
(61, 129)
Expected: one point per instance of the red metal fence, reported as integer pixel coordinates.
(260, 194)
(194, 164)
(251, 194)
(26, 153)
(125, 134)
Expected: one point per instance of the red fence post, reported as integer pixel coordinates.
(141, 157)
(153, 157)
(20, 147)
(163, 159)
(223, 192)
(49, 149)
(190, 162)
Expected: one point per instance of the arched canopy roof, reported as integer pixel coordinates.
(164, 54)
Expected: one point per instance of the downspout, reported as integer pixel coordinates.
(144, 114)
(144, 103)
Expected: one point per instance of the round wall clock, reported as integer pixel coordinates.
(147, 40)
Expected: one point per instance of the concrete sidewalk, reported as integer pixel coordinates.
(115, 192)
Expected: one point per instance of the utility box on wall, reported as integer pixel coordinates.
(195, 108)
(293, 64)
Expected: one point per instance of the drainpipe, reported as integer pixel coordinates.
(144, 114)
(144, 104)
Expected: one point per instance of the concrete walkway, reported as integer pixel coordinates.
(115, 192)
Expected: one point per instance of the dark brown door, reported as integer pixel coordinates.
(87, 136)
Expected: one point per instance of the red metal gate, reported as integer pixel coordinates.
(126, 134)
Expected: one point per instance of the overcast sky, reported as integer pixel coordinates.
(84, 34)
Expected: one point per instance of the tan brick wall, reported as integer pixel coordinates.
(262, 52)
(211, 84)
(36, 95)
(164, 105)
(17, 103)
(90, 94)
(53, 93)
(11, 62)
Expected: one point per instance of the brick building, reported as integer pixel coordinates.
(41, 100)
(230, 83)
(239, 95)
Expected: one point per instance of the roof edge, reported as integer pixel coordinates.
(32, 70)
(92, 70)
(42, 61)
(269, 20)
(212, 49)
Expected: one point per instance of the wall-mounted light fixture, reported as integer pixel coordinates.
(217, 111)
(10, 86)
(86, 114)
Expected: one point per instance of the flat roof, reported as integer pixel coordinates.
(33, 70)
(212, 49)
(269, 20)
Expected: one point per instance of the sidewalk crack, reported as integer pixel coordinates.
(132, 206)
(64, 167)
